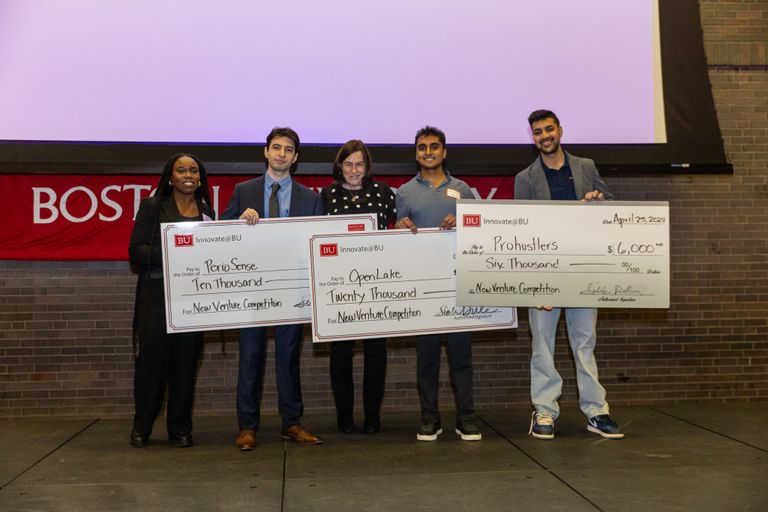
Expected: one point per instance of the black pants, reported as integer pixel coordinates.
(459, 350)
(164, 360)
(342, 383)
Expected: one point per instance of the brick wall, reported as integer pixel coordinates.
(65, 327)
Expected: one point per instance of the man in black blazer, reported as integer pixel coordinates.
(275, 194)
(559, 175)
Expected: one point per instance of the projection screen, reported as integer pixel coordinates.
(118, 82)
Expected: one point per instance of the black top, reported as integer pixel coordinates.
(376, 198)
(144, 249)
(560, 182)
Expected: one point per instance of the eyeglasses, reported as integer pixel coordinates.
(359, 166)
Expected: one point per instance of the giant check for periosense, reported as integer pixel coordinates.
(228, 275)
(563, 253)
(391, 283)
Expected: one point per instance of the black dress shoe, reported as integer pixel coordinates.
(371, 427)
(181, 440)
(347, 427)
(138, 440)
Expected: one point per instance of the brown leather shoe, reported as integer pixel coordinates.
(246, 440)
(298, 434)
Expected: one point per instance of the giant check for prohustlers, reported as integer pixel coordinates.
(391, 283)
(227, 275)
(563, 253)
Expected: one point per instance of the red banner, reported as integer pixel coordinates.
(90, 217)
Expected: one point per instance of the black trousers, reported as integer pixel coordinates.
(459, 350)
(374, 373)
(164, 361)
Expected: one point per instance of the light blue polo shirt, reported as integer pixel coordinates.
(426, 205)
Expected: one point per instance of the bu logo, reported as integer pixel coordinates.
(329, 250)
(184, 240)
(355, 227)
(471, 221)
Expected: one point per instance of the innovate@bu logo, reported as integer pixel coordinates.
(355, 227)
(184, 240)
(471, 221)
(329, 250)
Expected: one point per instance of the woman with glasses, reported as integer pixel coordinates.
(355, 191)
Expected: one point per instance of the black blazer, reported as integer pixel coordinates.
(144, 248)
(250, 194)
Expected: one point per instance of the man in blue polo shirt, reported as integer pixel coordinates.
(558, 175)
(429, 201)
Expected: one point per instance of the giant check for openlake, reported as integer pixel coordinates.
(227, 274)
(391, 283)
(563, 253)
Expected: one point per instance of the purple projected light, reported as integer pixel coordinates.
(193, 71)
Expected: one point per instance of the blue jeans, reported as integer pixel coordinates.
(250, 376)
(546, 383)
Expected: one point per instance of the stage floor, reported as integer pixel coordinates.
(710, 457)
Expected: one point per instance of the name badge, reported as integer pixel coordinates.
(453, 193)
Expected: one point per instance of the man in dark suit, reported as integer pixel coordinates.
(558, 175)
(275, 194)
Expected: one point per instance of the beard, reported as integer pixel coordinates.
(550, 150)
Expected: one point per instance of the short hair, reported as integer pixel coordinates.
(430, 130)
(349, 147)
(165, 189)
(538, 115)
(284, 131)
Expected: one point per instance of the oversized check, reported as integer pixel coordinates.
(563, 253)
(391, 283)
(227, 275)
